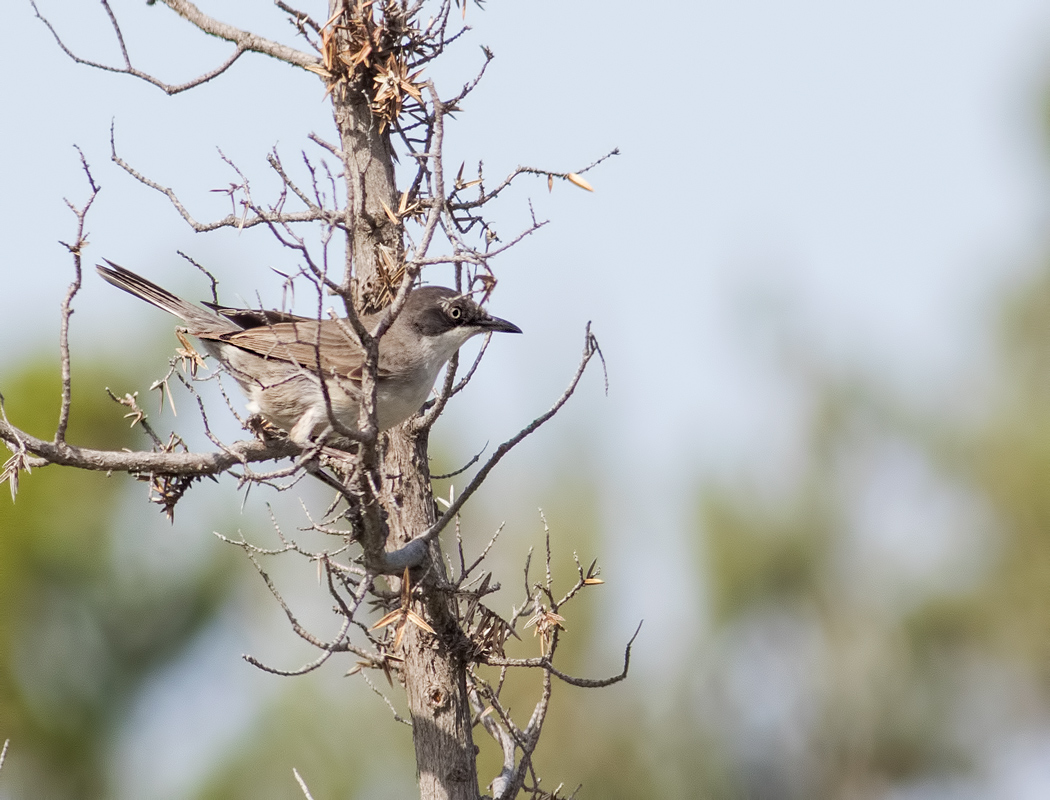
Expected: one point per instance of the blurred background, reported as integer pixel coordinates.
(820, 275)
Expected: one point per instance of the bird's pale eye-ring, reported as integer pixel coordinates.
(455, 313)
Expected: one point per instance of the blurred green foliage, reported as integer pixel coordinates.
(899, 676)
(343, 743)
(78, 635)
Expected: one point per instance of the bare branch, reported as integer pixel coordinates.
(462, 469)
(590, 348)
(336, 645)
(274, 160)
(544, 662)
(128, 69)
(76, 249)
(300, 18)
(472, 84)
(473, 367)
(465, 570)
(385, 699)
(302, 784)
(484, 197)
(502, 736)
(261, 216)
(331, 148)
(244, 40)
(141, 462)
(437, 406)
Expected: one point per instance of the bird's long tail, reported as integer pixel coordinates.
(200, 320)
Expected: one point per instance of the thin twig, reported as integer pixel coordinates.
(462, 469)
(544, 663)
(260, 217)
(374, 688)
(486, 197)
(589, 350)
(302, 784)
(76, 249)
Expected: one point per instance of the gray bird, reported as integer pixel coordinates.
(273, 355)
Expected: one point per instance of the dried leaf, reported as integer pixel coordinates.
(576, 179)
(389, 213)
(406, 590)
(188, 353)
(334, 17)
(317, 69)
(329, 90)
(10, 472)
(393, 616)
(419, 622)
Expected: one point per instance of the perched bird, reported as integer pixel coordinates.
(274, 355)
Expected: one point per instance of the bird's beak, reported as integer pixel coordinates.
(490, 323)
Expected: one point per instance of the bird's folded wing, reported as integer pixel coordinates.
(299, 343)
(254, 317)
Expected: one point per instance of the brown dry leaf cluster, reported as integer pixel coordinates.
(400, 617)
(19, 462)
(392, 84)
(189, 357)
(490, 634)
(369, 51)
(546, 622)
(167, 490)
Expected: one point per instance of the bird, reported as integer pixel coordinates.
(274, 355)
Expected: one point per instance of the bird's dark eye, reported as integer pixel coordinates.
(454, 313)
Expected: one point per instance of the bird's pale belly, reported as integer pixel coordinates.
(297, 405)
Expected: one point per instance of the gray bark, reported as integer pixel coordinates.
(434, 675)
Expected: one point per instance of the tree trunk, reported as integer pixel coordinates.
(434, 675)
(369, 162)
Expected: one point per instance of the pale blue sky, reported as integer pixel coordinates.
(863, 175)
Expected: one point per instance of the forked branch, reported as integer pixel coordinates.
(590, 349)
(244, 42)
